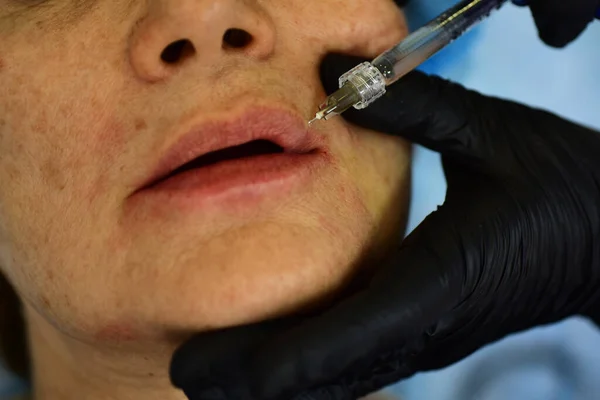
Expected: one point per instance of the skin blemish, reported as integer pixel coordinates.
(140, 124)
(53, 174)
(1, 64)
(117, 332)
(112, 135)
(46, 302)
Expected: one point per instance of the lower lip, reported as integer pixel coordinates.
(244, 181)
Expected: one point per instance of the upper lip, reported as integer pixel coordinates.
(284, 128)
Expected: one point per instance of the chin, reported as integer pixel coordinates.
(250, 275)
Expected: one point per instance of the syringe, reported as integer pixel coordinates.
(366, 82)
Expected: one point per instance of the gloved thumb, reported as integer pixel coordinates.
(213, 365)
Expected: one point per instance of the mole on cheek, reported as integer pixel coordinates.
(1, 64)
(140, 124)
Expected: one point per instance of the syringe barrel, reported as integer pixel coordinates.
(428, 40)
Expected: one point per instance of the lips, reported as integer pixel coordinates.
(256, 133)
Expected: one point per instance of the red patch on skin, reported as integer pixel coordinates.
(120, 332)
(329, 226)
(112, 134)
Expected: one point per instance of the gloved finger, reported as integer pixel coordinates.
(204, 366)
(433, 112)
(559, 22)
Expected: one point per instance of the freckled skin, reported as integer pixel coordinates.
(87, 107)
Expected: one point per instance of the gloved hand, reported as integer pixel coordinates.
(559, 22)
(516, 244)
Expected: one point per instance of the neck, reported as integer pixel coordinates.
(68, 369)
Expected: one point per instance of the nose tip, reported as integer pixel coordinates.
(206, 31)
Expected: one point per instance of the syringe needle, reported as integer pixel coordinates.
(337, 102)
(312, 121)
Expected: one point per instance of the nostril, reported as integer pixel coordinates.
(177, 51)
(236, 38)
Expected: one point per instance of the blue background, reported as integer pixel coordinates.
(505, 58)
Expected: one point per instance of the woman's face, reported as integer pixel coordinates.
(102, 100)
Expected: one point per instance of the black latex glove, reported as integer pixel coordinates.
(516, 244)
(559, 22)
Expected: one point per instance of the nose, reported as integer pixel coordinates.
(177, 33)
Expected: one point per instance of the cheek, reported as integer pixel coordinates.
(55, 131)
(64, 133)
(381, 171)
(58, 148)
(62, 156)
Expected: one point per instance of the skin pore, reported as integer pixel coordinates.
(87, 108)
